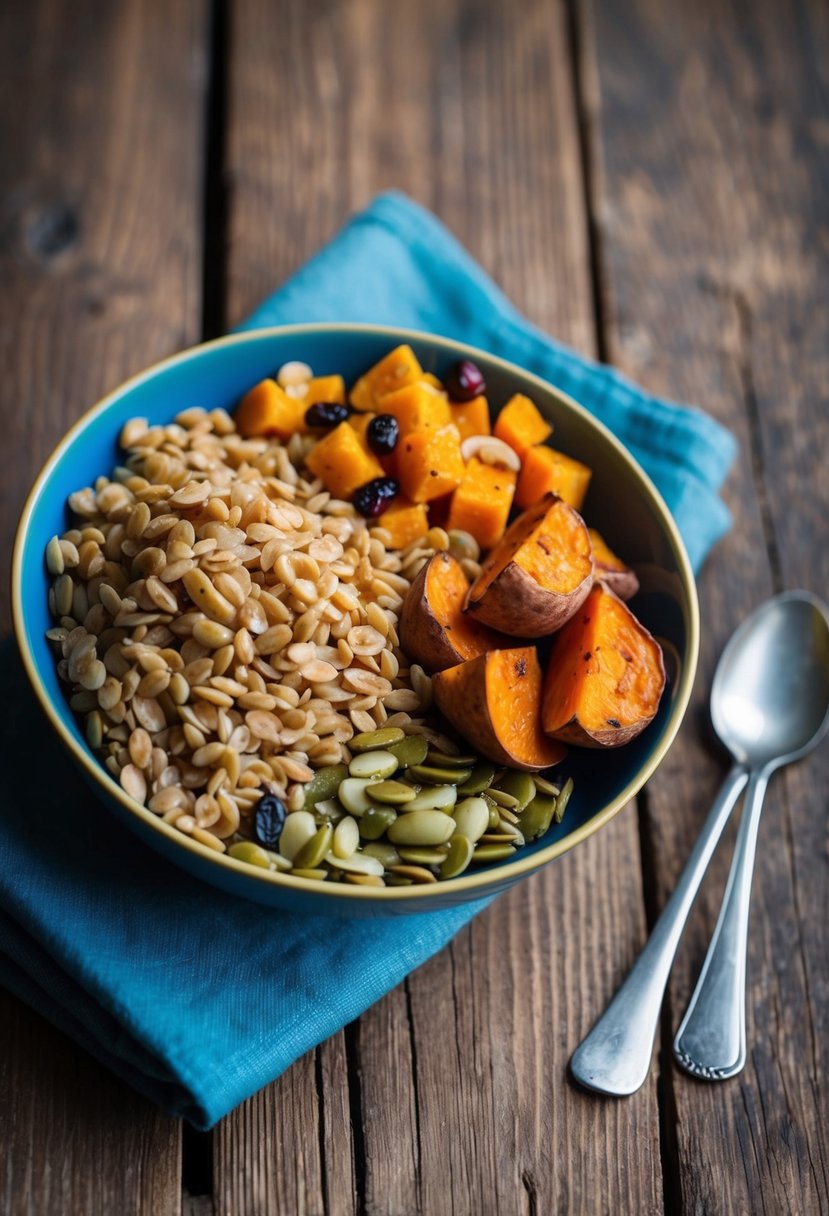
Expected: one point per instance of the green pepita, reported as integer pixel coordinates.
(376, 821)
(358, 863)
(502, 798)
(317, 875)
(414, 873)
(546, 787)
(493, 810)
(398, 880)
(538, 816)
(480, 779)
(323, 785)
(421, 828)
(434, 798)
(299, 827)
(314, 850)
(458, 856)
(492, 852)
(411, 750)
(472, 818)
(248, 851)
(520, 786)
(440, 776)
(385, 853)
(563, 799)
(441, 760)
(352, 794)
(393, 792)
(373, 764)
(346, 837)
(422, 857)
(369, 740)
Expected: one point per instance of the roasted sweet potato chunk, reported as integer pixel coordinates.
(611, 569)
(433, 628)
(605, 675)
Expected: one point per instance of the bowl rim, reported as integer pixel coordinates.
(483, 880)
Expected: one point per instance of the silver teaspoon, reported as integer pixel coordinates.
(770, 706)
(615, 1056)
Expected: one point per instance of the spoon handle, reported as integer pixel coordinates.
(711, 1042)
(616, 1055)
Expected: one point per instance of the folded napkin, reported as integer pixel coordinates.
(195, 998)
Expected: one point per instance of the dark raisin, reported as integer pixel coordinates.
(373, 498)
(269, 820)
(326, 413)
(382, 434)
(464, 381)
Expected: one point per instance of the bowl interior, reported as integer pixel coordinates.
(621, 503)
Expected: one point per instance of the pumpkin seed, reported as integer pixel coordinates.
(545, 786)
(376, 821)
(563, 799)
(492, 852)
(386, 853)
(502, 798)
(538, 816)
(299, 827)
(252, 854)
(458, 856)
(317, 875)
(497, 838)
(365, 880)
(411, 750)
(440, 776)
(472, 818)
(346, 837)
(324, 785)
(315, 849)
(359, 863)
(480, 780)
(421, 827)
(415, 873)
(519, 786)
(394, 792)
(493, 809)
(398, 880)
(352, 794)
(373, 764)
(422, 857)
(370, 740)
(440, 760)
(434, 798)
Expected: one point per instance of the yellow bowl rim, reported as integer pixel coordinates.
(477, 880)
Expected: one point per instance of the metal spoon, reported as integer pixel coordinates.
(615, 1056)
(772, 708)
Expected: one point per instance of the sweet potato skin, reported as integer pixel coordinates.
(462, 694)
(576, 645)
(425, 637)
(514, 602)
(611, 569)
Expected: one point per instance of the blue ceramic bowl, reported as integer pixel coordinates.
(622, 503)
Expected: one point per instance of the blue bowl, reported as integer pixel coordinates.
(622, 503)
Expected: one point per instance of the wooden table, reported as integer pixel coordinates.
(650, 183)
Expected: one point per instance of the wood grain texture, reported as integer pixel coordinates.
(456, 1082)
(711, 208)
(100, 217)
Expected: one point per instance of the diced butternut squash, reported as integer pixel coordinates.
(405, 521)
(268, 410)
(546, 471)
(417, 407)
(342, 462)
(435, 381)
(481, 504)
(521, 425)
(430, 463)
(471, 417)
(359, 423)
(325, 388)
(398, 368)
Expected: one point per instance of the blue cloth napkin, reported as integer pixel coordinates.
(195, 998)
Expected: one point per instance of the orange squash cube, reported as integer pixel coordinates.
(417, 407)
(405, 521)
(471, 417)
(342, 462)
(481, 504)
(521, 425)
(325, 388)
(398, 368)
(430, 463)
(435, 381)
(268, 410)
(544, 470)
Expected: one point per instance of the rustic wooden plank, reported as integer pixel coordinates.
(711, 194)
(456, 1082)
(100, 183)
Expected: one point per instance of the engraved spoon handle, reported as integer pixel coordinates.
(711, 1042)
(616, 1055)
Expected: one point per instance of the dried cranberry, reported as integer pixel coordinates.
(382, 434)
(373, 498)
(464, 381)
(326, 413)
(269, 820)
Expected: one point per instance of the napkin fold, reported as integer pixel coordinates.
(195, 998)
